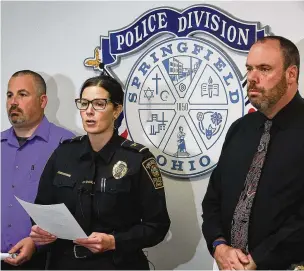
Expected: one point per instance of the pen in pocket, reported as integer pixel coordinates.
(103, 184)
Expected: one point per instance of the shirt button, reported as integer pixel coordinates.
(11, 205)
(9, 225)
(17, 166)
(10, 245)
(13, 186)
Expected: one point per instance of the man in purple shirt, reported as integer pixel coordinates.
(25, 149)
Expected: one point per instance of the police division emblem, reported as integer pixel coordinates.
(153, 172)
(185, 91)
(119, 170)
(189, 93)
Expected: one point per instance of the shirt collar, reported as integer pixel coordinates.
(42, 131)
(10, 136)
(289, 115)
(106, 153)
(5, 134)
(86, 151)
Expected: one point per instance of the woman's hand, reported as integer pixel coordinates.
(41, 237)
(97, 242)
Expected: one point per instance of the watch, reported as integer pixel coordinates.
(217, 243)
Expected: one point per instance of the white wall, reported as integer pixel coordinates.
(54, 38)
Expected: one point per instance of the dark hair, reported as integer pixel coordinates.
(290, 52)
(110, 84)
(39, 81)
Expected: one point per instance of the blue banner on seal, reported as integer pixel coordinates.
(234, 33)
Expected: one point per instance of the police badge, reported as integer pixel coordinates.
(119, 170)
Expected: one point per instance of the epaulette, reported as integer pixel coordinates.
(73, 139)
(128, 144)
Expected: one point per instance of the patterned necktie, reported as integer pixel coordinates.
(240, 221)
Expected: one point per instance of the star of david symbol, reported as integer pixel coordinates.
(149, 93)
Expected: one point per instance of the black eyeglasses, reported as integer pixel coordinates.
(98, 104)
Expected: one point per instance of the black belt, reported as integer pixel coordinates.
(81, 252)
(76, 251)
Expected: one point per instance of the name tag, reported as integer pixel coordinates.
(63, 173)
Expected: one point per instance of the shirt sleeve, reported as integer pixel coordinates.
(44, 195)
(45, 188)
(211, 227)
(211, 205)
(155, 220)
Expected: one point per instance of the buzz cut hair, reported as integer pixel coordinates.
(40, 84)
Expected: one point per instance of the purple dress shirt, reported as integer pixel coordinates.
(21, 168)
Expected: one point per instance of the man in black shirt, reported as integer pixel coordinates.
(253, 210)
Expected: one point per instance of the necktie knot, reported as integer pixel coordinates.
(267, 125)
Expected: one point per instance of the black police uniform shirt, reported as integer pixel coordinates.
(276, 226)
(118, 190)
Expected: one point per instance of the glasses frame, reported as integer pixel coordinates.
(91, 102)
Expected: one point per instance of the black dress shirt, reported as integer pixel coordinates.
(276, 227)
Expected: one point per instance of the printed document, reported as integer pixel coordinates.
(55, 219)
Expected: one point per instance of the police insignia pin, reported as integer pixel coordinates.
(119, 170)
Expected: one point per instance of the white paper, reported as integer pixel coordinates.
(215, 266)
(8, 255)
(4, 256)
(55, 219)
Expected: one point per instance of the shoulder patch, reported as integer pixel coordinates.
(73, 139)
(153, 172)
(128, 144)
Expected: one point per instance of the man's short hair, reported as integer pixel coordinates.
(39, 81)
(290, 52)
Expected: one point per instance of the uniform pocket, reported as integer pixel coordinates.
(112, 195)
(114, 186)
(64, 189)
(63, 181)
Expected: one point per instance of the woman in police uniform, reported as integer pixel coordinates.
(112, 186)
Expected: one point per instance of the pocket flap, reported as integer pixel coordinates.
(63, 180)
(118, 186)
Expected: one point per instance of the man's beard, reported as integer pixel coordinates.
(268, 97)
(16, 119)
